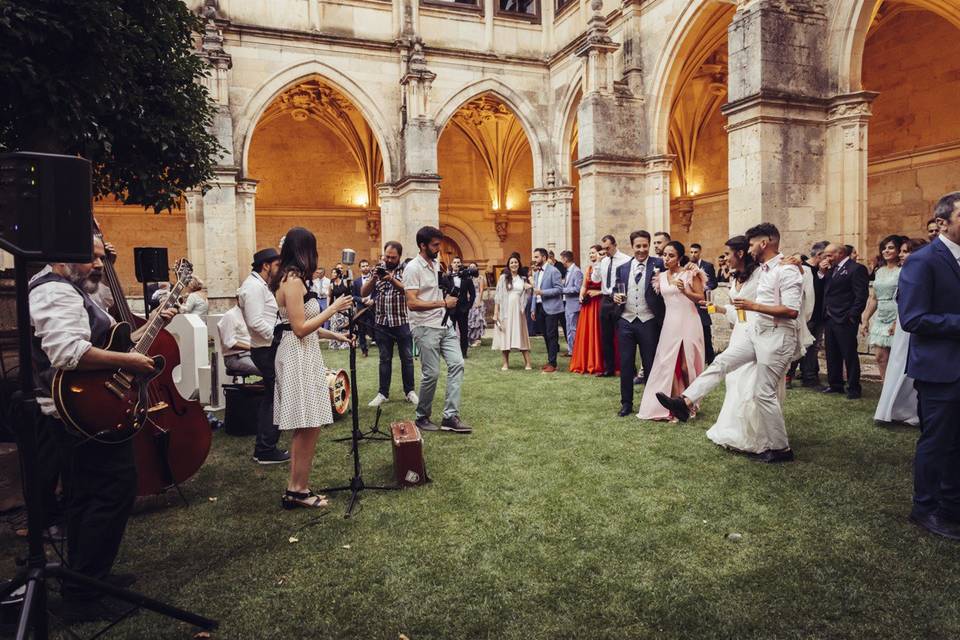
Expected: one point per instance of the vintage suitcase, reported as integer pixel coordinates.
(408, 466)
(243, 405)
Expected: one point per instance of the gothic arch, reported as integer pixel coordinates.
(563, 129)
(525, 112)
(283, 80)
(848, 37)
(694, 31)
(460, 231)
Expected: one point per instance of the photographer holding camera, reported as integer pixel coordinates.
(427, 305)
(390, 316)
(461, 281)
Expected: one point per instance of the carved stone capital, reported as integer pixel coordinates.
(681, 210)
(373, 225)
(851, 107)
(500, 220)
(247, 186)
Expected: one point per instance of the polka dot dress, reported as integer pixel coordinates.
(301, 398)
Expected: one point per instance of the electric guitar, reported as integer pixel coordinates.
(112, 406)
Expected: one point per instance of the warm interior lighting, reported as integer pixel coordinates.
(360, 200)
(509, 204)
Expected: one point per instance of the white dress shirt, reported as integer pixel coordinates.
(233, 330)
(636, 305)
(322, 287)
(779, 285)
(951, 245)
(259, 308)
(600, 274)
(60, 321)
(537, 280)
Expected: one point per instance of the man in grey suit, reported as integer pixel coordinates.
(571, 297)
(547, 306)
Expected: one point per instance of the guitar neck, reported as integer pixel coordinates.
(153, 326)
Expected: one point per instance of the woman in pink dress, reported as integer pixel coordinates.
(680, 352)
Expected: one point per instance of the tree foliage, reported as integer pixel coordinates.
(115, 81)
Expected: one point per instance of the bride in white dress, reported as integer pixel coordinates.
(738, 425)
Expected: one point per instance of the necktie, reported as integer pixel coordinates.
(637, 278)
(609, 271)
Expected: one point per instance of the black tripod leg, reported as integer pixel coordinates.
(34, 609)
(132, 597)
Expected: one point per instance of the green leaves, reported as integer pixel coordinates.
(116, 81)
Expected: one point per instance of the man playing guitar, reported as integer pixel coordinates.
(99, 479)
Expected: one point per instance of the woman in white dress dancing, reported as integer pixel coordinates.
(301, 394)
(738, 425)
(898, 399)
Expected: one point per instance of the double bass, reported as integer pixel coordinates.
(175, 441)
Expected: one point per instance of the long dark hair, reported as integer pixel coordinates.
(298, 257)
(508, 279)
(737, 244)
(897, 241)
(680, 249)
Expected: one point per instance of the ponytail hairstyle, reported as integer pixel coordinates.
(740, 244)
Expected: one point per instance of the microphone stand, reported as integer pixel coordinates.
(374, 433)
(357, 484)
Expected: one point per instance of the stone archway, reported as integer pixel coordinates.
(485, 162)
(317, 164)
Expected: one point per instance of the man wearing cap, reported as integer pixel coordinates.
(259, 309)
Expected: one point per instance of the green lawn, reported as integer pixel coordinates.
(556, 519)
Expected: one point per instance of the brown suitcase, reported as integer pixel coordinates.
(408, 466)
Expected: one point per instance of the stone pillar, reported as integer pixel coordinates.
(847, 120)
(246, 219)
(657, 170)
(219, 244)
(413, 200)
(611, 164)
(551, 217)
(775, 119)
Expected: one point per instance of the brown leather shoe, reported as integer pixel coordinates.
(548, 368)
(455, 425)
(424, 424)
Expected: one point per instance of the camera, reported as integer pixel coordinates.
(467, 272)
(380, 270)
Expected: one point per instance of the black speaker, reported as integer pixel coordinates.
(46, 210)
(243, 403)
(151, 264)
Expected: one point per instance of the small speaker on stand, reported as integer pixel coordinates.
(152, 266)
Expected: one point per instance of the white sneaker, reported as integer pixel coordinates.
(413, 398)
(378, 400)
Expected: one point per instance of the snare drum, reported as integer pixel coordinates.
(339, 384)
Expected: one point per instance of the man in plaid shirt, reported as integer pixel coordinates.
(390, 316)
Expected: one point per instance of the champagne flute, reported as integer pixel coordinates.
(619, 292)
(711, 307)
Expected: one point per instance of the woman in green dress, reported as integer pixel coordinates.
(880, 316)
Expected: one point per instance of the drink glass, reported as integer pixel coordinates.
(620, 290)
(711, 307)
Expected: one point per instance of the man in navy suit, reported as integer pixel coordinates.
(547, 306)
(929, 308)
(361, 301)
(845, 290)
(695, 257)
(641, 315)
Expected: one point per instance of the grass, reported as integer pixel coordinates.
(556, 519)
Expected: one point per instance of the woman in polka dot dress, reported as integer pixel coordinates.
(301, 396)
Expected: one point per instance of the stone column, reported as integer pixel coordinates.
(657, 170)
(611, 164)
(847, 120)
(413, 200)
(219, 243)
(551, 217)
(775, 119)
(246, 219)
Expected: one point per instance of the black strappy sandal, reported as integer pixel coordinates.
(302, 500)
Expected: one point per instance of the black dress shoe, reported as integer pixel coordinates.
(773, 456)
(811, 383)
(625, 410)
(677, 406)
(454, 424)
(639, 380)
(830, 390)
(854, 395)
(936, 525)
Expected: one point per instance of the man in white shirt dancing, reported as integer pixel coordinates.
(260, 314)
(772, 345)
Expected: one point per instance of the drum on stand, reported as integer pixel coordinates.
(339, 383)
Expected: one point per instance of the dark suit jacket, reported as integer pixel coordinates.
(654, 301)
(711, 285)
(845, 292)
(818, 283)
(468, 293)
(929, 307)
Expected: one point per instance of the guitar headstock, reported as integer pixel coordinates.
(183, 269)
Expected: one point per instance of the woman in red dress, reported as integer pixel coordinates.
(587, 350)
